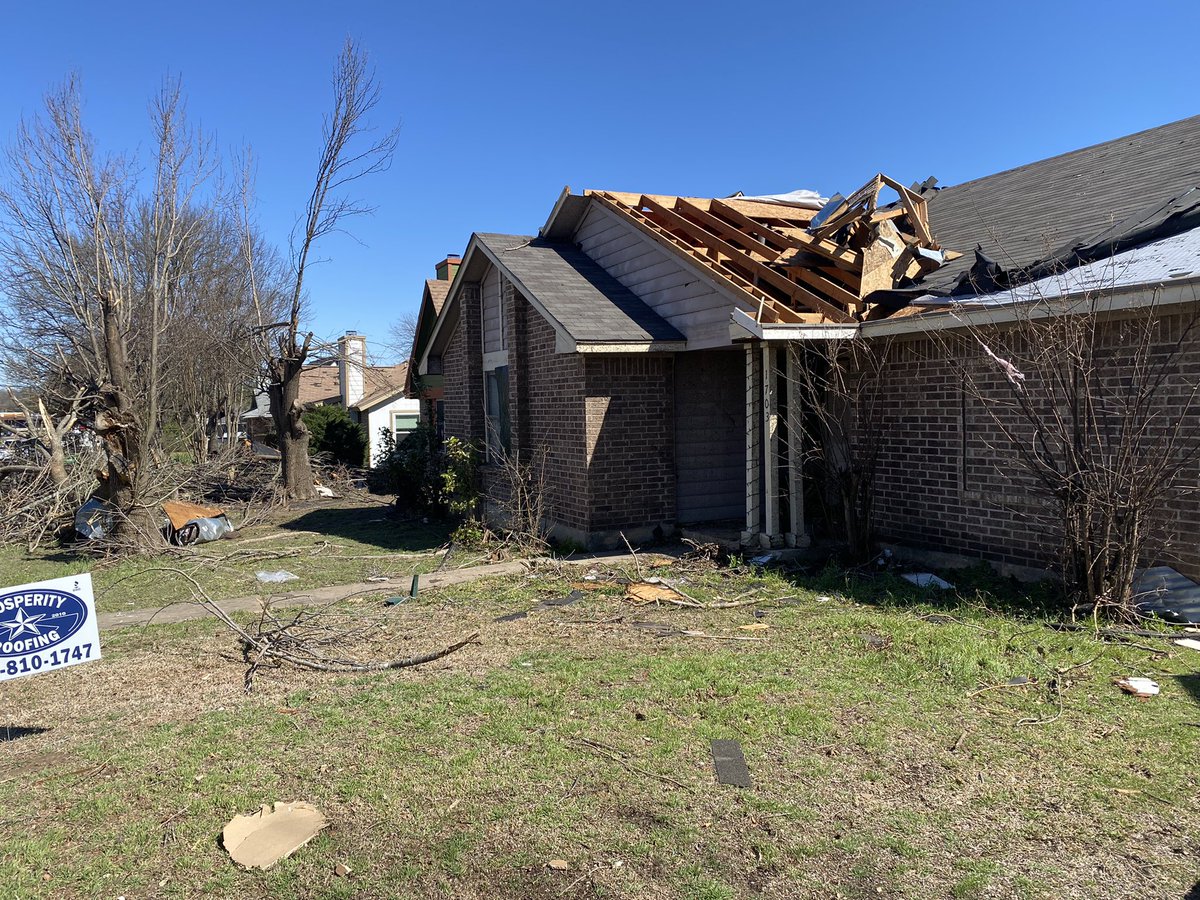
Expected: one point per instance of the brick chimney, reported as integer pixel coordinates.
(447, 267)
(352, 356)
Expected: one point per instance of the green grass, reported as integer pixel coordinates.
(325, 545)
(905, 771)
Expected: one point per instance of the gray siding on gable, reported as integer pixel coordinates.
(672, 289)
(493, 334)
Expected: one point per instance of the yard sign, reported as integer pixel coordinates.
(47, 625)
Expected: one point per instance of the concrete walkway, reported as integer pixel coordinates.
(183, 612)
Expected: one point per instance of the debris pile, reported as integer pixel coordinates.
(802, 266)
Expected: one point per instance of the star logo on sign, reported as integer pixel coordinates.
(23, 623)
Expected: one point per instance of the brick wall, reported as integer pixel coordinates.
(948, 478)
(462, 368)
(629, 408)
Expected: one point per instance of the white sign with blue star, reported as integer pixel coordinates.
(47, 625)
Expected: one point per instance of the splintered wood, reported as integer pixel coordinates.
(798, 265)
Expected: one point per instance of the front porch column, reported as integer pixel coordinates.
(771, 535)
(753, 469)
(797, 535)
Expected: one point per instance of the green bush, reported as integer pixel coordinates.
(333, 432)
(409, 469)
(423, 477)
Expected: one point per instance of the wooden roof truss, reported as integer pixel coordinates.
(793, 271)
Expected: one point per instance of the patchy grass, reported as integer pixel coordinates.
(889, 756)
(323, 543)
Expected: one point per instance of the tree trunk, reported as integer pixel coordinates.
(287, 411)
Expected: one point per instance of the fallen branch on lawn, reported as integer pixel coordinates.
(618, 756)
(302, 639)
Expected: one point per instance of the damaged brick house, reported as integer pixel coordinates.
(630, 338)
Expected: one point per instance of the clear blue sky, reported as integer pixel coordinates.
(502, 104)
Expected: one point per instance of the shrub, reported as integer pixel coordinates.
(409, 469)
(333, 432)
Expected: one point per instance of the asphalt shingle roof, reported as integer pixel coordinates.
(577, 292)
(1024, 215)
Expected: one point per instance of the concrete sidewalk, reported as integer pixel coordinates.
(183, 612)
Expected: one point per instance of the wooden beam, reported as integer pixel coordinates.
(721, 274)
(692, 210)
(673, 220)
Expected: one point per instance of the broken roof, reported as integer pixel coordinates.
(574, 292)
(1046, 209)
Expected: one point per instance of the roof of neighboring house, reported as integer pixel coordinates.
(1043, 210)
(383, 384)
(320, 384)
(438, 289)
(576, 293)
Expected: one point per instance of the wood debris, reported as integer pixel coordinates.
(800, 266)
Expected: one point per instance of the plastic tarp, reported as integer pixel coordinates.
(799, 198)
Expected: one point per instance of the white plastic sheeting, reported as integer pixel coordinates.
(800, 198)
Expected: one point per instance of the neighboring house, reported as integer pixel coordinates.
(428, 388)
(630, 337)
(374, 395)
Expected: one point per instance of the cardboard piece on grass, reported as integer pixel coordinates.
(730, 763)
(263, 838)
(648, 592)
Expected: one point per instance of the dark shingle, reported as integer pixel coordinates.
(581, 296)
(1023, 215)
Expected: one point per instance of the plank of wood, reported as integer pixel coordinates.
(723, 229)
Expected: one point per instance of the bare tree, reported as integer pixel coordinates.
(839, 427)
(401, 335)
(348, 152)
(1093, 428)
(89, 270)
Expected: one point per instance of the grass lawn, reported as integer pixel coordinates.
(324, 543)
(889, 756)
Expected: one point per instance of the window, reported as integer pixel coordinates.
(403, 424)
(496, 394)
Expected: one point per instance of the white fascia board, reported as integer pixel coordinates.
(634, 347)
(743, 324)
(1133, 297)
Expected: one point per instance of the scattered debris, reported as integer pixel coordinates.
(263, 838)
(377, 579)
(276, 577)
(876, 641)
(730, 763)
(755, 626)
(1141, 688)
(927, 579)
(652, 592)
(1018, 680)
(1190, 643)
(323, 491)
(568, 600)
(824, 599)
(1163, 592)
(190, 523)
(511, 617)
(765, 559)
(94, 520)
(394, 601)
(559, 865)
